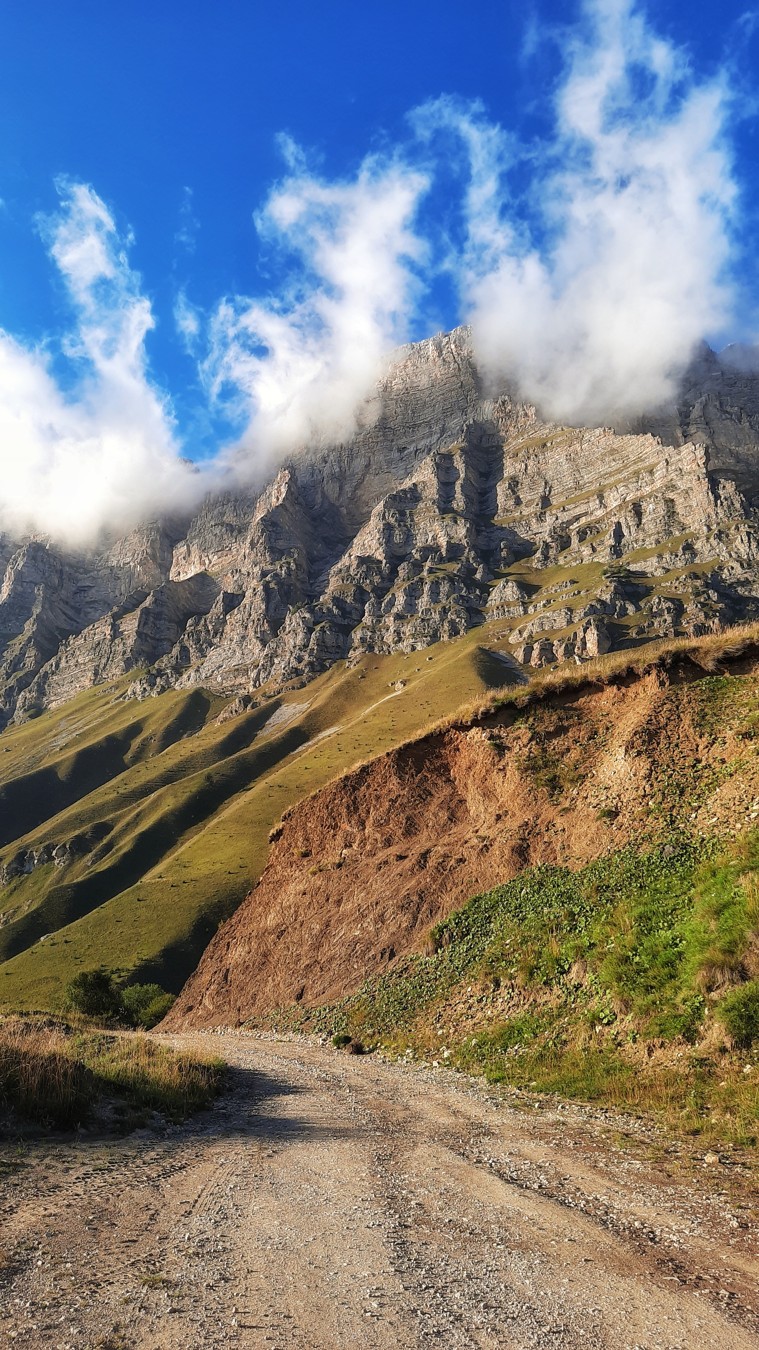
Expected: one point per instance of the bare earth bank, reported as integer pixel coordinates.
(333, 1201)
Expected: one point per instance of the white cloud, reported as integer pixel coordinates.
(297, 368)
(590, 266)
(596, 316)
(489, 152)
(188, 321)
(105, 455)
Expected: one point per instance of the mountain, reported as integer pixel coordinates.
(447, 511)
(169, 695)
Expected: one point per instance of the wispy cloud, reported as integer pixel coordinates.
(189, 224)
(188, 321)
(595, 311)
(105, 454)
(297, 367)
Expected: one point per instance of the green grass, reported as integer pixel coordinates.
(187, 805)
(586, 576)
(662, 550)
(597, 984)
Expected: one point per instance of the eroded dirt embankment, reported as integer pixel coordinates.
(365, 867)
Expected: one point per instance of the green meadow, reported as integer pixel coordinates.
(169, 810)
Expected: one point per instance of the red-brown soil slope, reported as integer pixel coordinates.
(364, 868)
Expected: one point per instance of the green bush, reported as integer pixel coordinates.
(739, 1013)
(93, 993)
(145, 1004)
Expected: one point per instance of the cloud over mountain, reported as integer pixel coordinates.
(102, 452)
(300, 365)
(589, 264)
(590, 287)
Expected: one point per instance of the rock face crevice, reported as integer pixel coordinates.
(446, 511)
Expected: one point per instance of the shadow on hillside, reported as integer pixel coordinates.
(143, 849)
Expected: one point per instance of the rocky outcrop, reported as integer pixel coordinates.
(447, 511)
(136, 633)
(60, 853)
(48, 596)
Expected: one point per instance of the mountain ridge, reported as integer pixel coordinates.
(446, 509)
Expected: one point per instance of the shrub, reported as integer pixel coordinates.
(93, 993)
(145, 1004)
(341, 1040)
(739, 1013)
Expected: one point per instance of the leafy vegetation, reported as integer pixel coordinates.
(95, 993)
(58, 1076)
(614, 983)
(739, 1011)
(145, 1004)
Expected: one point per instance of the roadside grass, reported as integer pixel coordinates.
(633, 982)
(55, 1074)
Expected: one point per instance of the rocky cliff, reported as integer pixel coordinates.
(448, 510)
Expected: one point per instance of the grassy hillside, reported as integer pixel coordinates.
(633, 982)
(167, 811)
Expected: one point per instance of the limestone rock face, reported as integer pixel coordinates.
(447, 510)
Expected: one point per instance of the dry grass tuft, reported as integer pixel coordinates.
(56, 1076)
(707, 653)
(39, 1079)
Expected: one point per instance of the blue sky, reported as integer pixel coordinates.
(171, 114)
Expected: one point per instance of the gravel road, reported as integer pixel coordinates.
(332, 1201)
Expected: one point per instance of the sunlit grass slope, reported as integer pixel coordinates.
(167, 811)
(631, 982)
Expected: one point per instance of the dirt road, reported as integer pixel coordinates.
(333, 1201)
